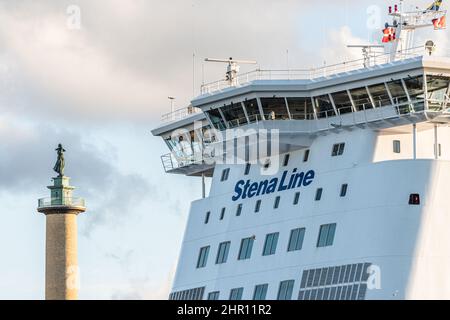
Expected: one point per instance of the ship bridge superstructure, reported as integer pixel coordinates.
(395, 95)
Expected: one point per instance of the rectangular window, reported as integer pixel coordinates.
(258, 206)
(208, 214)
(286, 160)
(245, 252)
(319, 194)
(296, 198)
(326, 235)
(338, 149)
(236, 294)
(285, 290)
(214, 295)
(277, 202)
(344, 188)
(247, 169)
(270, 245)
(306, 156)
(222, 252)
(202, 257)
(260, 292)
(439, 149)
(222, 213)
(239, 210)
(225, 174)
(296, 239)
(396, 146)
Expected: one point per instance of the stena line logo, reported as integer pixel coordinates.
(248, 189)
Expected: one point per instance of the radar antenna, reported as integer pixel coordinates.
(232, 68)
(366, 51)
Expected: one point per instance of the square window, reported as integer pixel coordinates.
(338, 149)
(239, 210)
(306, 156)
(277, 202)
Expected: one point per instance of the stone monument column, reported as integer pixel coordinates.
(61, 253)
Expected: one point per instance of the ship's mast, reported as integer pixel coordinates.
(405, 24)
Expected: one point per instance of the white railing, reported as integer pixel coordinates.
(179, 114)
(56, 202)
(311, 74)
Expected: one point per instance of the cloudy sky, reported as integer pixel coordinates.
(98, 85)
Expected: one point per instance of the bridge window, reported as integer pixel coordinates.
(274, 108)
(342, 102)
(234, 115)
(380, 95)
(398, 92)
(326, 235)
(437, 87)
(415, 88)
(301, 108)
(216, 119)
(361, 99)
(245, 251)
(252, 110)
(260, 292)
(202, 257)
(324, 107)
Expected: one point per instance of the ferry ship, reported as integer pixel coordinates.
(326, 184)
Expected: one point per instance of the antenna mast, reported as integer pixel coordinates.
(404, 24)
(366, 51)
(232, 68)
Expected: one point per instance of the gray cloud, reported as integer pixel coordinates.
(27, 156)
(129, 56)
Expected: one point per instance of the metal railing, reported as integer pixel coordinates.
(179, 114)
(56, 202)
(313, 73)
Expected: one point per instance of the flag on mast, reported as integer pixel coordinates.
(440, 23)
(435, 6)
